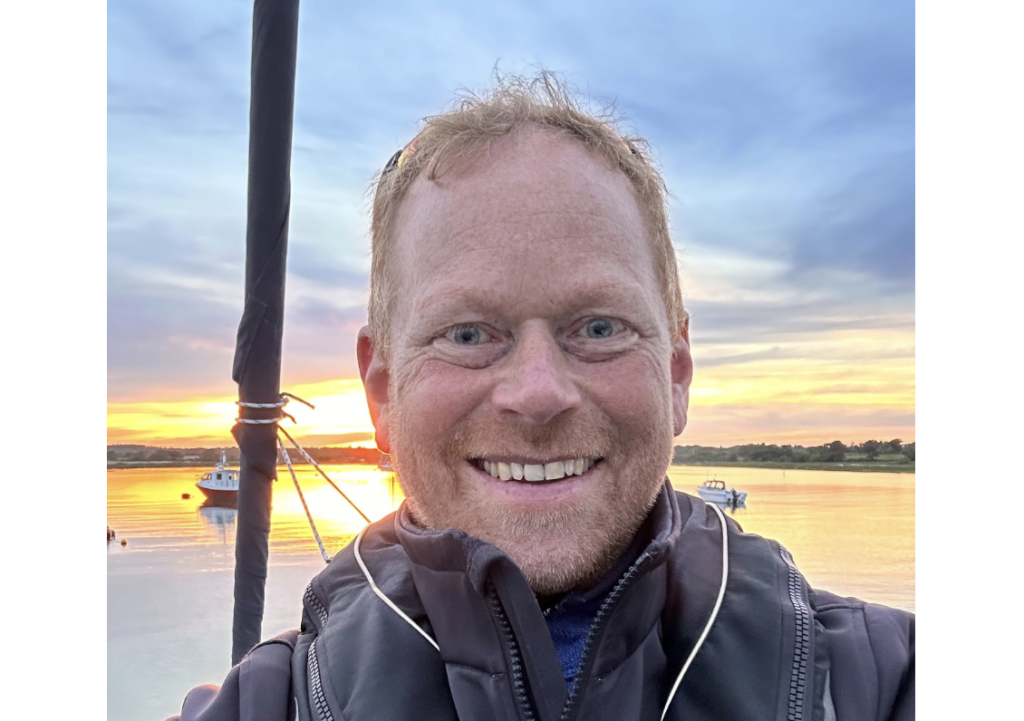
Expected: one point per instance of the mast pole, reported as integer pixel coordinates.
(257, 364)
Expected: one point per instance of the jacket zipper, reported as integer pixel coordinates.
(516, 659)
(802, 652)
(316, 689)
(586, 658)
(318, 700)
(314, 604)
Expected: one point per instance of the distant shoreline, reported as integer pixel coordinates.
(855, 467)
(117, 465)
(869, 457)
(125, 456)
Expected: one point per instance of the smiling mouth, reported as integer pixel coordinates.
(535, 472)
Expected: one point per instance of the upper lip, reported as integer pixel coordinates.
(531, 460)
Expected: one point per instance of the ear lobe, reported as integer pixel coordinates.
(682, 375)
(375, 382)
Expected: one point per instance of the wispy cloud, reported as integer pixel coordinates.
(785, 131)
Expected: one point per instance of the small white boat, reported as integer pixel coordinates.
(716, 492)
(221, 484)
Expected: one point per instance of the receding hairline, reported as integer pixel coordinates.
(487, 162)
(471, 130)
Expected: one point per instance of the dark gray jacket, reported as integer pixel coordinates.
(414, 624)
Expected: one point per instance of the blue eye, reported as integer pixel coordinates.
(468, 335)
(600, 328)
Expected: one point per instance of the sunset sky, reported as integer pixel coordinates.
(785, 131)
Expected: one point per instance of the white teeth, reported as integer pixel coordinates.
(533, 472)
(554, 471)
(538, 471)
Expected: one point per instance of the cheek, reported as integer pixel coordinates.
(634, 390)
(436, 396)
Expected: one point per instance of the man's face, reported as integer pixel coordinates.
(533, 391)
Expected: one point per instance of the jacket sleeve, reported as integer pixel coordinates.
(258, 688)
(871, 651)
(892, 639)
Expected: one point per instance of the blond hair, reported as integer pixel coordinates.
(469, 129)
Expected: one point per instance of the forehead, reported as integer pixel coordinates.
(538, 215)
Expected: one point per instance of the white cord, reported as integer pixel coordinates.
(385, 599)
(714, 611)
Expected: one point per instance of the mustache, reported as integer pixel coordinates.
(559, 438)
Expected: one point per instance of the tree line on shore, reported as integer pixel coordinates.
(148, 455)
(894, 451)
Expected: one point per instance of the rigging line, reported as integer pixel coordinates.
(326, 477)
(714, 611)
(302, 498)
(285, 396)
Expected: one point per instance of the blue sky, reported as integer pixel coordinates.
(785, 131)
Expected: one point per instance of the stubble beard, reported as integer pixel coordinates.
(560, 547)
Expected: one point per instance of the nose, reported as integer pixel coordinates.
(537, 384)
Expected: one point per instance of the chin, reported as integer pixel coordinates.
(557, 548)
(562, 535)
(560, 570)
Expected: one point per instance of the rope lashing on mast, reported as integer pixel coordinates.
(282, 414)
(285, 398)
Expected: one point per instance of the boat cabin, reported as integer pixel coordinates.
(220, 479)
(716, 485)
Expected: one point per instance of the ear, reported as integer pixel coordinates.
(682, 374)
(375, 382)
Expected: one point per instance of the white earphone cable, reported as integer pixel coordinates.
(714, 611)
(385, 599)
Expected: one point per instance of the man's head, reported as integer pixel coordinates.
(525, 319)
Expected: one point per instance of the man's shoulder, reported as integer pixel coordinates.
(871, 647)
(260, 685)
(888, 631)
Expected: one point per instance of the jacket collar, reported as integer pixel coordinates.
(458, 578)
(450, 550)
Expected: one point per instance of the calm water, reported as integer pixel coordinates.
(169, 590)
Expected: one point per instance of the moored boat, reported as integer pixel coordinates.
(716, 492)
(220, 485)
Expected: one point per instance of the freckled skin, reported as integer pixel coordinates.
(528, 323)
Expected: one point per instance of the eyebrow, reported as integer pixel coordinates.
(614, 296)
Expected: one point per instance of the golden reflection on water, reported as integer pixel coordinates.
(147, 504)
(850, 533)
(170, 588)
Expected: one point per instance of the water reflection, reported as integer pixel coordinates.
(849, 533)
(731, 506)
(225, 501)
(170, 588)
(220, 519)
